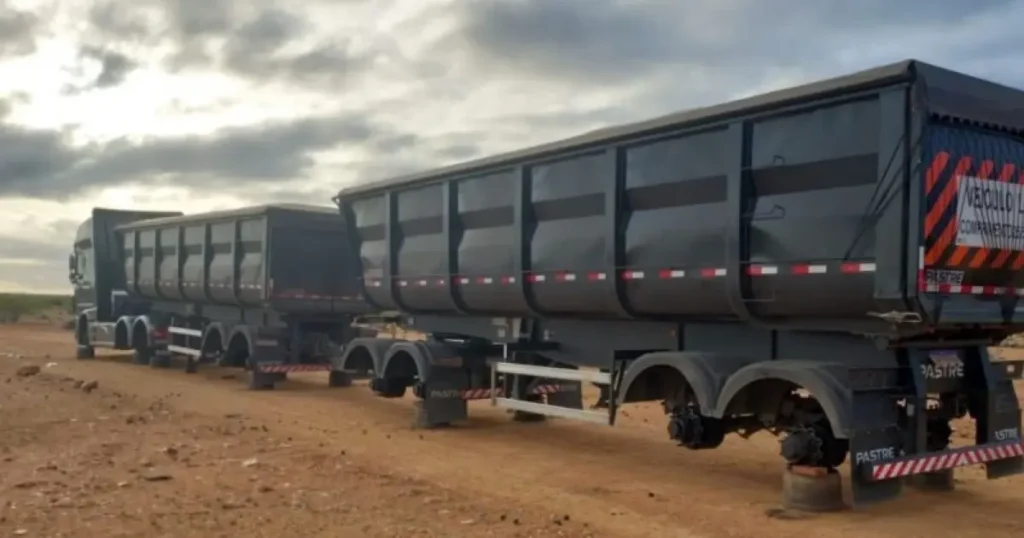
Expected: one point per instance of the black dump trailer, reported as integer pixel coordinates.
(829, 263)
(270, 288)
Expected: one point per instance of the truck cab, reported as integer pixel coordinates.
(96, 273)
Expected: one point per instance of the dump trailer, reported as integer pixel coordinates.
(269, 288)
(828, 263)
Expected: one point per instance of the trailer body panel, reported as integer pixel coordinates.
(289, 258)
(800, 208)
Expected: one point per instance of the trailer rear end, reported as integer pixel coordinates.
(828, 263)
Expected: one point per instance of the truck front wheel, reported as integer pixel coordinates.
(83, 349)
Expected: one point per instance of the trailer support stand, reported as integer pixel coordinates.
(338, 378)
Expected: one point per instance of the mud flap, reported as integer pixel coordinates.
(441, 401)
(993, 402)
(265, 351)
(875, 436)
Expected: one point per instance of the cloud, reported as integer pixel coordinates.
(256, 50)
(260, 42)
(17, 32)
(114, 66)
(40, 163)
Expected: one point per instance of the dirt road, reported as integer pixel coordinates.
(152, 453)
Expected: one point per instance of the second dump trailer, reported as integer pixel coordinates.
(270, 288)
(828, 262)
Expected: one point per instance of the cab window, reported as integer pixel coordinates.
(83, 255)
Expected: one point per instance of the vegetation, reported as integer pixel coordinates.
(23, 306)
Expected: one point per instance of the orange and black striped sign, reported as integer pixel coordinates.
(942, 180)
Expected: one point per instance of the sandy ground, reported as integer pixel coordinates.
(155, 453)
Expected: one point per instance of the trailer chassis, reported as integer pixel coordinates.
(883, 406)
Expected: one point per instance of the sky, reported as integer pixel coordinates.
(196, 105)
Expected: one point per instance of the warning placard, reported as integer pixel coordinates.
(990, 214)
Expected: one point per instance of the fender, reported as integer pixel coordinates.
(426, 355)
(146, 323)
(706, 373)
(376, 347)
(128, 322)
(246, 334)
(823, 380)
(215, 327)
(418, 353)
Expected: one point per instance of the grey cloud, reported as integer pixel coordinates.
(255, 50)
(115, 20)
(114, 68)
(197, 18)
(30, 159)
(17, 32)
(615, 40)
(263, 43)
(39, 163)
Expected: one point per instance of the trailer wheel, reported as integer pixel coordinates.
(140, 344)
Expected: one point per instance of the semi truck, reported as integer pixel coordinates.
(828, 263)
(267, 288)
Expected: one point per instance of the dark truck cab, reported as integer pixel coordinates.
(96, 273)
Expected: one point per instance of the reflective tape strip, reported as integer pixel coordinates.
(941, 461)
(285, 368)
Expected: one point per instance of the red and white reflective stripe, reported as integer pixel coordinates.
(284, 368)
(480, 394)
(632, 275)
(945, 460)
(855, 267)
(815, 269)
(800, 269)
(758, 270)
(712, 272)
(972, 290)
